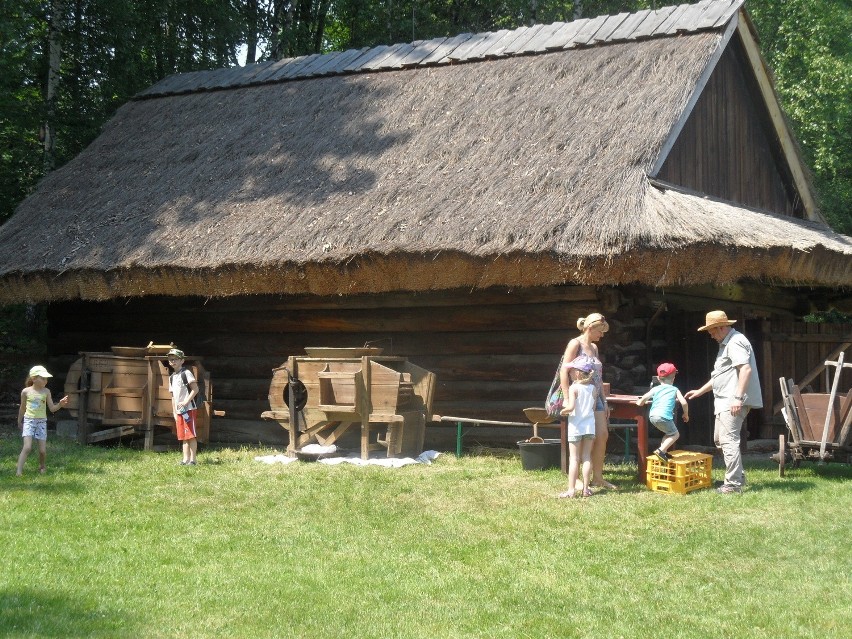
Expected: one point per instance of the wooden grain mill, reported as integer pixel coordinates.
(387, 397)
(126, 392)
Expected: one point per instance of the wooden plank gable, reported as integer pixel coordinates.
(726, 147)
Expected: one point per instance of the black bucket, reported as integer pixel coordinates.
(541, 455)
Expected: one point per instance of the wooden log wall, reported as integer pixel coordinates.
(494, 352)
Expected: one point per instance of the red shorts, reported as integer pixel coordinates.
(186, 427)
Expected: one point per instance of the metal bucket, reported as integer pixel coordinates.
(541, 455)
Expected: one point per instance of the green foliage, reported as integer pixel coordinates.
(111, 49)
(808, 45)
(117, 543)
(359, 23)
(832, 316)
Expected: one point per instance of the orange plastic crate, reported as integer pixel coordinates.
(683, 473)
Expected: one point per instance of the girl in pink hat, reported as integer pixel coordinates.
(580, 411)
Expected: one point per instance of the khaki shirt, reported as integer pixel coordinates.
(735, 350)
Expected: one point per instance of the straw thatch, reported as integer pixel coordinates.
(524, 171)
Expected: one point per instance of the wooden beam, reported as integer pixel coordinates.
(110, 433)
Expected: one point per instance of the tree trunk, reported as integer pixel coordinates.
(251, 31)
(322, 14)
(54, 51)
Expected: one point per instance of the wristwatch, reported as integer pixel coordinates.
(740, 399)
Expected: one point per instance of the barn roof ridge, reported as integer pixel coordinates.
(538, 39)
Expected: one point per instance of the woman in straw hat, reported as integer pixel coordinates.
(736, 390)
(583, 349)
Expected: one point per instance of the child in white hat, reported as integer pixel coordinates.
(32, 416)
(184, 389)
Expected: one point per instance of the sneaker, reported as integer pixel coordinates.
(192, 463)
(662, 455)
(728, 489)
(184, 463)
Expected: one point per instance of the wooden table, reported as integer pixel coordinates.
(624, 407)
(620, 407)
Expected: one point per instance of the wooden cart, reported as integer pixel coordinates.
(818, 425)
(388, 398)
(126, 392)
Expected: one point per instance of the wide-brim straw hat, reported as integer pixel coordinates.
(716, 318)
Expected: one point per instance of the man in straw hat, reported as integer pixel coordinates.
(736, 390)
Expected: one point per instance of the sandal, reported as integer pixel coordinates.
(568, 494)
(587, 492)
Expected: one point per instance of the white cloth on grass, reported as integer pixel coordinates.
(426, 457)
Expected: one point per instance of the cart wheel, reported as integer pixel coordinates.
(781, 455)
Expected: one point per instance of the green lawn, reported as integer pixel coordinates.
(113, 542)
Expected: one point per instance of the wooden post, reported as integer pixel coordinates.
(839, 365)
(148, 416)
(83, 403)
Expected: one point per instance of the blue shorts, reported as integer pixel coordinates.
(667, 426)
(35, 427)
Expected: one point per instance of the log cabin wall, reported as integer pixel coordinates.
(494, 352)
(728, 148)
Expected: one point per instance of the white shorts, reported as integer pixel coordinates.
(35, 427)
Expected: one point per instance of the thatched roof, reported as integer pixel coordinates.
(526, 170)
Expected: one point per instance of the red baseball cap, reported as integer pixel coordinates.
(666, 369)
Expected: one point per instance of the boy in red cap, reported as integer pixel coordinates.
(663, 399)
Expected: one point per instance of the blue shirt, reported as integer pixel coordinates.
(663, 402)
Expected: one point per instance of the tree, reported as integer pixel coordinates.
(807, 43)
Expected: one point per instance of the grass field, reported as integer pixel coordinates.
(113, 542)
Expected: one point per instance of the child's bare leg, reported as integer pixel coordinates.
(599, 450)
(573, 469)
(193, 449)
(668, 441)
(185, 449)
(25, 452)
(586, 457)
(42, 455)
